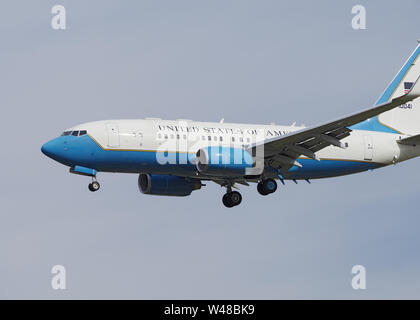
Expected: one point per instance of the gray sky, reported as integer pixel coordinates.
(246, 61)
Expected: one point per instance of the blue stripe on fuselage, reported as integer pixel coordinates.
(84, 151)
(313, 169)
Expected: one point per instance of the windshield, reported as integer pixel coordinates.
(74, 133)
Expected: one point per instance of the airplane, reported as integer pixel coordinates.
(174, 158)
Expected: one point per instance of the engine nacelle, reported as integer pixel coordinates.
(215, 160)
(167, 185)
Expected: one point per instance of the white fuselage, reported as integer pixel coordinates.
(186, 136)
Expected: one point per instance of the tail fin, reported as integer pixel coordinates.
(406, 118)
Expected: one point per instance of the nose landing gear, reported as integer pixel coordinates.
(94, 186)
(83, 171)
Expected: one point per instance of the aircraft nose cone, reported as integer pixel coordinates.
(52, 149)
(47, 149)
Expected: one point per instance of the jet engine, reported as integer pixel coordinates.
(167, 185)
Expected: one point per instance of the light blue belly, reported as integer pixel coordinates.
(313, 169)
(84, 151)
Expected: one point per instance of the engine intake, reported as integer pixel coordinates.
(167, 185)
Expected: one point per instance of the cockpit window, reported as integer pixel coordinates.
(74, 133)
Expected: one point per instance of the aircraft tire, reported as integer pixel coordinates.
(260, 189)
(94, 186)
(269, 185)
(232, 199)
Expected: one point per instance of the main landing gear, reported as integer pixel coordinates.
(231, 198)
(267, 186)
(234, 198)
(94, 186)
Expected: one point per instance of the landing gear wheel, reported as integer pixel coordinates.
(94, 186)
(267, 186)
(232, 199)
(260, 189)
(226, 201)
(235, 198)
(270, 185)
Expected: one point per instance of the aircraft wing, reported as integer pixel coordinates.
(410, 141)
(282, 152)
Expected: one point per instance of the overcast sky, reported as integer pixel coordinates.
(246, 61)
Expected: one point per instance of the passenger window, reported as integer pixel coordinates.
(177, 136)
(75, 133)
(166, 136)
(220, 138)
(209, 138)
(159, 136)
(185, 137)
(82, 132)
(233, 139)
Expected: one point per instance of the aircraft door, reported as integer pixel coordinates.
(368, 148)
(113, 135)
